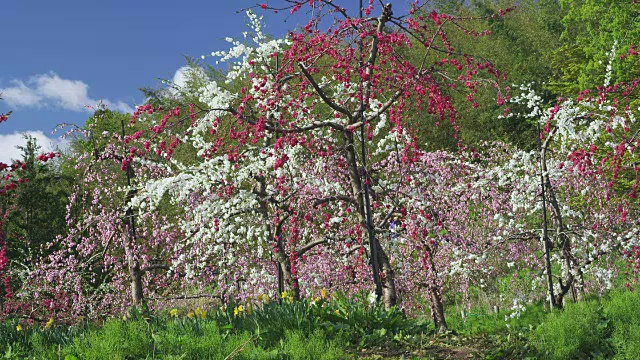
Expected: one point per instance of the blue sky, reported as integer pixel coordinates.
(58, 56)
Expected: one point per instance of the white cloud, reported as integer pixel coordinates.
(8, 143)
(50, 90)
(68, 94)
(184, 74)
(180, 77)
(20, 94)
(120, 106)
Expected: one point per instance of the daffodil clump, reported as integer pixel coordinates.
(318, 300)
(324, 294)
(200, 313)
(287, 296)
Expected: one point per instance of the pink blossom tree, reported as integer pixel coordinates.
(110, 258)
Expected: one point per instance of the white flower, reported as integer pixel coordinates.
(372, 298)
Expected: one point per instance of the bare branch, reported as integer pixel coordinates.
(315, 125)
(186, 297)
(322, 94)
(310, 246)
(386, 106)
(155, 267)
(388, 216)
(335, 198)
(356, 248)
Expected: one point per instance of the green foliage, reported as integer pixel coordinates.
(338, 328)
(369, 324)
(201, 340)
(622, 310)
(118, 339)
(99, 130)
(22, 339)
(197, 337)
(273, 320)
(35, 214)
(590, 29)
(521, 45)
(353, 321)
(507, 331)
(580, 331)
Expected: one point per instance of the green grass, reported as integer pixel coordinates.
(292, 330)
(580, 331)
(340, 329)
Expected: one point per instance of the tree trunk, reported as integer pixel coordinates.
(389, 295)
(382, 271)
(133, 265)
(136, 282)
(437, 309)
(289, 279)
(435, 297)
(562, 240)
(135, 273)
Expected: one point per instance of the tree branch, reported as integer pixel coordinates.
(310, 246)
(335, 198)
(155, 267)
(386, 106)
(322, 94)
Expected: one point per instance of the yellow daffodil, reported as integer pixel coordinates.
(287, 296)
(238, 310)
(191, 314)
(49, 323)
(263, 297)
(201, 313)
(324, 293)
(19, 327)
(337, 312)
(173, 312)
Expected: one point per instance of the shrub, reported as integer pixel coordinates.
(622, 308)
(578, 332)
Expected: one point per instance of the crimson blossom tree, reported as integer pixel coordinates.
(8, 183)
(287, 138)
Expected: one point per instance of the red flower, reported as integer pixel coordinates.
(434, 17)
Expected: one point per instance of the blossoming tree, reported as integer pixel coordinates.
(8, 183)
(585, 159)
(312, 104)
